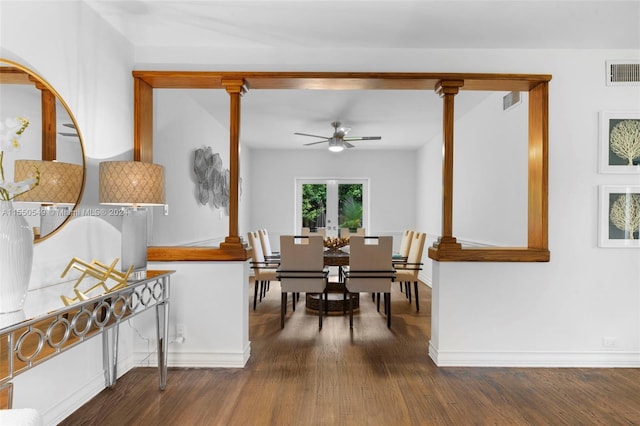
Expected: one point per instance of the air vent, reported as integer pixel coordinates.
(510, 100)
(623, 73)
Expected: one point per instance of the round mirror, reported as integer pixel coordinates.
(42, 155)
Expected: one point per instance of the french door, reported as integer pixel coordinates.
(331, 204)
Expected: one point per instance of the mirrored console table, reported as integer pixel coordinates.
(46, 327)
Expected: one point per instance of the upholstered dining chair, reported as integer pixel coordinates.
(264, 271)
(318, 231)
(266, 245)
(346, 232)
(403, 252)
(302, 270)
(405, 244)
(370, 269)
(407, 271)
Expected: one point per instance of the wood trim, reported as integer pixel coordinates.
(538, 166)
(235, 89)
(212, 254)
(142, 121)
(49, 123)
(495, 254)
(338, 80)
(447, 91)
(446, 249)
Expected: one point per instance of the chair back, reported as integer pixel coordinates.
(416, 247)
(265, 243)
(346, 233)
(319, 231)
(302, 263)
(414, 259)
(370, 267)
(405, 243)
(256, 247)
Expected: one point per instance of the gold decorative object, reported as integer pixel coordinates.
(335, 243)
(98, 270)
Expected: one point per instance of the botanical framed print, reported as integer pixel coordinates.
(619, 216)
(620, 142)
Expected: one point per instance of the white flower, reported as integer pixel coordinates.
(10, 132)
(19, 187)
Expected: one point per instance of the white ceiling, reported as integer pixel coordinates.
(404, 119)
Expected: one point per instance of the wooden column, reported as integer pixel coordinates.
(142, 121)
(447, 90)
(235, 88)
(48, 106)
(538, 166)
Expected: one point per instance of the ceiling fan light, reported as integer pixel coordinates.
(335, 145)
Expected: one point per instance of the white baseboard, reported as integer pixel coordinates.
(196, 359)
(83, 394)
(601, 359)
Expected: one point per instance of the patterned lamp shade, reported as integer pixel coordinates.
(131, 183)
(60, 183)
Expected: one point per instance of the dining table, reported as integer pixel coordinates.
(337, 297)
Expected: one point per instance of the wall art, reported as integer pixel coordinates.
(212, 179)
(619, 216)
(620, 142)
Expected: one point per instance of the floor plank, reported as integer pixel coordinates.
(370, 375)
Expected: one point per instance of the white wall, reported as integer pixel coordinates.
(554, 313)
(391, 176)
(490, 183)
(182, 125)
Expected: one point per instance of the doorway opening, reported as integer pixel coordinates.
(331, 204)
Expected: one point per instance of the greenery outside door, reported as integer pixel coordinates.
(331, 204)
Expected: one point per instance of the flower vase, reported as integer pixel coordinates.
(16, 258)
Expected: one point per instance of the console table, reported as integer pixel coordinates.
(46, 327)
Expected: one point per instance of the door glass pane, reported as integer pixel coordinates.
(314, 205)
(350, 205)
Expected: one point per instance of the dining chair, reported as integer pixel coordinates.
(405, 243)
(318, 231)
(346, 232)
(266, 245)
(370, 269)
(264, 272)
(407, 271)
(403, 252)
(302, 270)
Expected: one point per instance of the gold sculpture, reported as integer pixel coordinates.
(98, 270)
(335, 243)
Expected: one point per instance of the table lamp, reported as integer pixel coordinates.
(58, 191)
(135, 185)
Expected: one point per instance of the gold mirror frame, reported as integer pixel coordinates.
(12, 72)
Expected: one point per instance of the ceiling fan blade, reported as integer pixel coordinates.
(348, 145)
(315, 143)
(363, 138)
(314, 136)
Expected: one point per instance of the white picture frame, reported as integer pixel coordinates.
(619, 217)
(610, 161)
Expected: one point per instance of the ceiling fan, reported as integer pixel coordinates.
(339, 140)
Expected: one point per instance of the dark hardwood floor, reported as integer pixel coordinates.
(368, 376)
